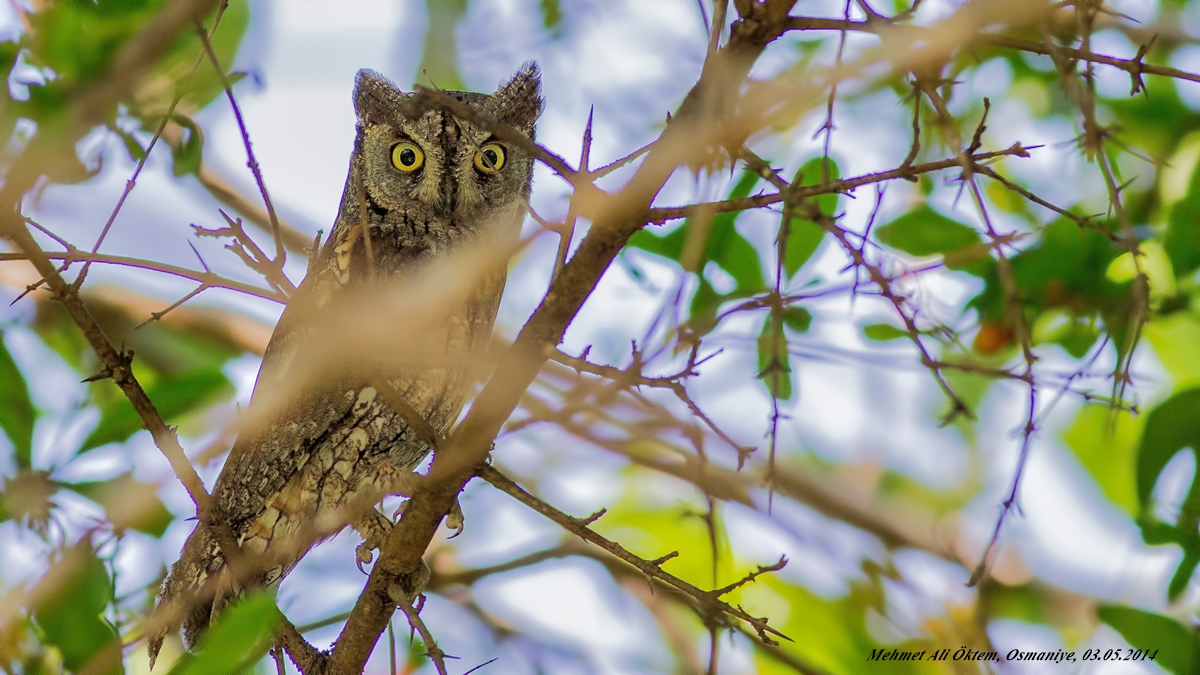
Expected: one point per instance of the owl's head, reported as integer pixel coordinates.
(436, 167)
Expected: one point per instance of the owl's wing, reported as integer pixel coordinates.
(265, 458)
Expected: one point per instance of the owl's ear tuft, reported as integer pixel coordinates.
(375, 97)
(519, 101)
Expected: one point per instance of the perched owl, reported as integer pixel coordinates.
(420, 187)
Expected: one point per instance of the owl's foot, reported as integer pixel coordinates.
(408, 588)
(373, 527)
(454, 520)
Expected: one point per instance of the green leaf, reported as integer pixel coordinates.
(187, 154)
(840, 642)
(732, 253)
(132, 146)
(1027, 602)
(774, 363)
(129, 503)
(1170, 427)
(175, 351)
(812, 172)
(925, 232)
(1187, 567)
(1158, 533)
(174, 72)
(78, 39)
(1182, 239)
(174, 396)
(726, 247)
(1174, 339)
(797, 318)
(78, 589)
(882, 332)
(702, 311)
(1176, 644)
(239, 638)
(552, 15)
(1066, 271)
(17, 414)
(55, 327)
(805, 236)
(1105, 441)
(723, 244)
(669, 245)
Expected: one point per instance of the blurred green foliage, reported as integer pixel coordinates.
(1175, 647)
(70, 44)
(17, 415)
(236, 641)
(71, 616)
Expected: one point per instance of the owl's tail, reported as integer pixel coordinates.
(183, 593)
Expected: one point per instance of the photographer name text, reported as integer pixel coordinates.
(1055, 656)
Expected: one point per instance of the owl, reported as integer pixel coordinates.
(422, 185)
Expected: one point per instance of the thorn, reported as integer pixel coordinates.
(657, 562)
(425, 74)
(232, 224)
(592, 518)
(586, 154)
(104, 374)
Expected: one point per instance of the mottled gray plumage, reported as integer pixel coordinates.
(341, 439)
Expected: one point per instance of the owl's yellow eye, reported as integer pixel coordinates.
(407, 156)
(490, 158)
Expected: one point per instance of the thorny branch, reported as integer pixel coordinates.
(206, 279)
(836, 186)
(251, 162)
(1135, 67)
(707, 603)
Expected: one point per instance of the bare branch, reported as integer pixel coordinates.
(704, 602)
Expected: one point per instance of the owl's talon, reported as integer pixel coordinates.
(373, 528)
(455, 520)
(364, 554)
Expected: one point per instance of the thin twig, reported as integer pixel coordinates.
(280, 250)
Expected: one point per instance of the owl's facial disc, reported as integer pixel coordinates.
(427, 165)
(446, 164)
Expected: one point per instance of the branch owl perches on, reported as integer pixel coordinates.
(421, 188)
